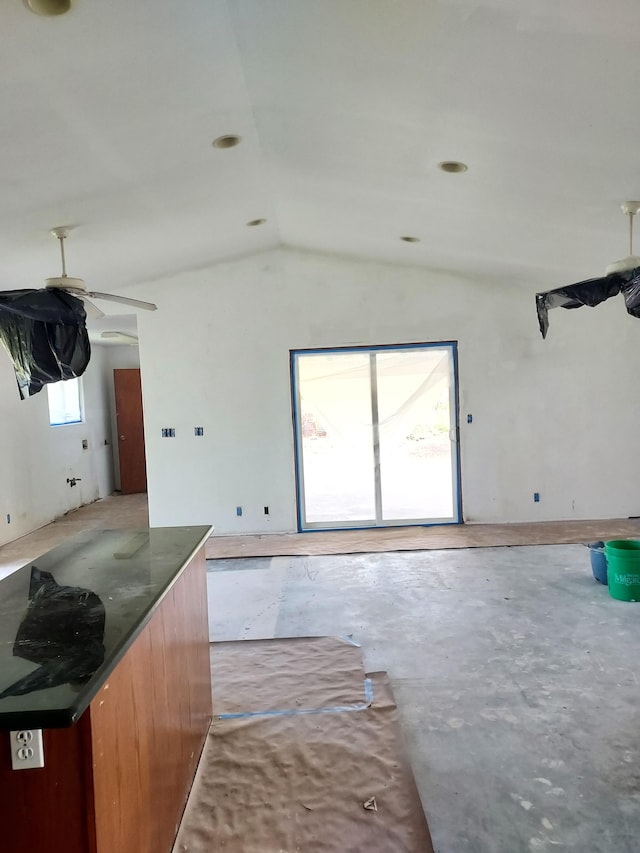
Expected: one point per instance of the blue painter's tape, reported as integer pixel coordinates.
(349, 640)
(300, 712)
(368, 690)
(295, 712)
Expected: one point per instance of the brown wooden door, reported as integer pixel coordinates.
(128, 393)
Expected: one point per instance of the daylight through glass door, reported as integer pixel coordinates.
(376, 436)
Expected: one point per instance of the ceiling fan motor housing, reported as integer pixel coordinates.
(631, 262)
(65, 282)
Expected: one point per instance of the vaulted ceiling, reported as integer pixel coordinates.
(344, 108)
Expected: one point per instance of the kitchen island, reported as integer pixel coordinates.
(104, 646)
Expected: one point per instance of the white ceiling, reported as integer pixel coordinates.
(345, 109)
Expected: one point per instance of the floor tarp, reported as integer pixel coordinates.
(301, 740)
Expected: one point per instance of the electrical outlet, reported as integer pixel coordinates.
(238, 510)
(8, 518)
(266, 510)
(27, 751)
(536, 497)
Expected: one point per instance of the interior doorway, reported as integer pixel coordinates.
(376, 436)
(130, 425)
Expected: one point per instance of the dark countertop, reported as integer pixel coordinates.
(67, 618)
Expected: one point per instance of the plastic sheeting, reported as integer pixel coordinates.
(62, 631)
(45, 334)
(591, 292)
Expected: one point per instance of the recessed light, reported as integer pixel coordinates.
(452, 166)
(410, 239)
(230, 140)
(256, 222)
(48, 7)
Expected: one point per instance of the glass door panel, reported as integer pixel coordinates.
(334, 437)
(415, 425)
(376, 436)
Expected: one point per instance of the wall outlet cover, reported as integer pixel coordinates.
(27, 752)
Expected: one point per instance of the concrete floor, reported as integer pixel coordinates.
(516, 675)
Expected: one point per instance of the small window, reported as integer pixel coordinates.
(65, 403)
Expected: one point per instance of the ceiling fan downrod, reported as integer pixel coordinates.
(631, 208)
(61, 234)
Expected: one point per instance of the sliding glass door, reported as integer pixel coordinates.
(376, 436)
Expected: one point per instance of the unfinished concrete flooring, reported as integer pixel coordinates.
(516, 675)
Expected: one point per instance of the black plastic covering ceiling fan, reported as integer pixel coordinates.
(622, 276)
(76, 286)
(44, 331)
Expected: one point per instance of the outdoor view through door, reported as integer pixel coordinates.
(376, 436)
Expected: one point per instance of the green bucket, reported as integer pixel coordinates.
(623, 565)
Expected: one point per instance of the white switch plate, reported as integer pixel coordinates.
(26, 749)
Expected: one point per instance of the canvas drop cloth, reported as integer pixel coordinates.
(301, 739)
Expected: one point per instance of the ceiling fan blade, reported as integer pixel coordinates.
(125, 300)
(590, 292)
(92, 311)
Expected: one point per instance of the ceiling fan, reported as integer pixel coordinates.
(621, 276)
(76, 286)
(120, 338)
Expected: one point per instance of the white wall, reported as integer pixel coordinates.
(36, 459)
(557, 416)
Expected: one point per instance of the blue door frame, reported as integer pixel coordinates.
(295, 402)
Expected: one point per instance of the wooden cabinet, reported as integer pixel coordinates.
(118, 779)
